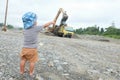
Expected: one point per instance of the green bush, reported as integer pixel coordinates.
(10, 26)
(113, 36)
(111, 31)
(20, 28)
(1, 24)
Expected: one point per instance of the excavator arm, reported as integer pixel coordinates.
(64, 17)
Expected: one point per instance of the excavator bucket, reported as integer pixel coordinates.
(64, 19)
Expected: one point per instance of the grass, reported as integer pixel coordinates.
(113, 36)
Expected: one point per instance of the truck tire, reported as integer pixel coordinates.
(70, 36)
(60, 34)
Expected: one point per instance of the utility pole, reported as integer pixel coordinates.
(113, 24)
(5, 19)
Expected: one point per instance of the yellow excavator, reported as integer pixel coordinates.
(61, 30)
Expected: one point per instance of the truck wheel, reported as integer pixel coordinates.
(61, 34)
(70, 36)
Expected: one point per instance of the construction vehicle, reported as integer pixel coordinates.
(61, 30)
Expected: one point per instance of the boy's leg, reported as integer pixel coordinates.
(22, 65)
(32, 64)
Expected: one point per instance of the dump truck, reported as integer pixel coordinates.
(62, 30)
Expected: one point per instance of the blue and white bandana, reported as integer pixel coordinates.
(29, 19)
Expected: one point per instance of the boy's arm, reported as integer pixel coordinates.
(48, 24)
(40, 28)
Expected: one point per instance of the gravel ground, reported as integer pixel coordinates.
(83, 58)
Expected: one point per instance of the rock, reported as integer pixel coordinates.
(56, 61)
(93, 72)
(1, 74)
(110, 70)
(41, 44)
(38, 77)
(2, 64)
(105, 40)
(11, 79)
(50, 64)
(59, 68)
(100, 79)
(65, 63)
(43, 59)
(66, 74)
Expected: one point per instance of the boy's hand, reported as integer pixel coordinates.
(53, 22)
(49, 23)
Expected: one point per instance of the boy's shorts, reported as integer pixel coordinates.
(29, 54)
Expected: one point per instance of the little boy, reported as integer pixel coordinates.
(29, 50)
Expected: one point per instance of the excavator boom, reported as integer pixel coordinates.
(56, 17)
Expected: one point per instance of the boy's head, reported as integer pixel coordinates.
(29, 19)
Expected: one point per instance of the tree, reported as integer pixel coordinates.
(101, 31)
(94, 30)
(79, 31)
(112, 31)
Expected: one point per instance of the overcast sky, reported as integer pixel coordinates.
(82, 13)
